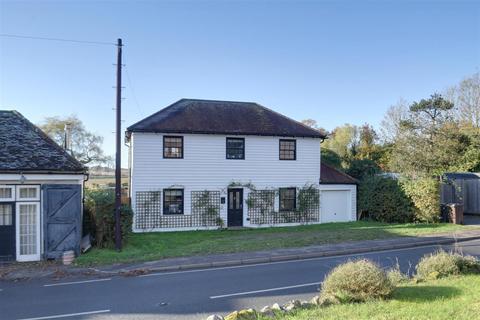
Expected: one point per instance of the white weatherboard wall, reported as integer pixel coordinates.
(204, 166)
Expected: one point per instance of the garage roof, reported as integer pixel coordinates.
(26, 148)
(330, 175)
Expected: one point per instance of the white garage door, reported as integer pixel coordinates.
(335, 206)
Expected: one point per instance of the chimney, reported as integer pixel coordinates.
(66, 139)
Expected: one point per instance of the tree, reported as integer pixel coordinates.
(311, 123)
(391, 123)
(368, 147)
(429, 141)
(466, 97)
(85, 146)
(343, 141)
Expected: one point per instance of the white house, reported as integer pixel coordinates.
(41, 189)
(202, 164)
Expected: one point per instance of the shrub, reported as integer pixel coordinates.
(382, 199)
(467, 264)
(437, 265)
(356, 281)
(99, 218)
(425, 196)
(362, 168)
(395, 276)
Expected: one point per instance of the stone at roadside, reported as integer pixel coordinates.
(277, 307)
(215, 317)
(294, 304)
(324, 301)
(267, 312)
(315, 300)
(248, 314)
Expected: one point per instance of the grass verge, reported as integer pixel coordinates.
(160, 245)
(455, 297)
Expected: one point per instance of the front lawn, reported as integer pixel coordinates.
(153, 246)
(450, 298)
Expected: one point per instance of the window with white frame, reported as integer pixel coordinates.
(7, 193)
(28, 231)
(28, 193)
(6, 214)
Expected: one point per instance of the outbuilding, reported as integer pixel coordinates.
(338, 195)
(41, 191)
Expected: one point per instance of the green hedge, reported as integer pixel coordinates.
(383, 199)
(99, 219)
(425, 196)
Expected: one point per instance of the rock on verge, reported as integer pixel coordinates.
(267, 312)
(215, 317)
(248, 314)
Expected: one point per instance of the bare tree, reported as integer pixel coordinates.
(392, 121)
(84, 145)
(466, 97)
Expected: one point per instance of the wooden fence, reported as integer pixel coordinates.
(462, 190)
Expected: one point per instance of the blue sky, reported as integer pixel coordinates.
(335, 62)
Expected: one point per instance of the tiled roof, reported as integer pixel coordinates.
(331, 175)
(222, 117)
(26, 148)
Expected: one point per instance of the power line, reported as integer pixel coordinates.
(56, 39)
(130, 85)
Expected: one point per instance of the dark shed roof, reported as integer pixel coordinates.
(330, 175)
(461, 175)
(222, 117)
(26, 148)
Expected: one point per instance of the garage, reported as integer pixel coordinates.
(338, 196)
(41, 190)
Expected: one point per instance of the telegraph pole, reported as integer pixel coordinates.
(118, 159)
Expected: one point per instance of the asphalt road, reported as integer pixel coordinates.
(188, 294)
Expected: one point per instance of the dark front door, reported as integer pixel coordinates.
(235, 207)
(7, 231)
(62, 218)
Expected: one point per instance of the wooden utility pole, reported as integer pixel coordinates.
(118, 153)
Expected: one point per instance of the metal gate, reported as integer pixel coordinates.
(62, 219)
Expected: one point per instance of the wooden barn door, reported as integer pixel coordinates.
(62, 219)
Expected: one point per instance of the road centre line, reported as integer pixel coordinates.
(75, 282)
(265, 290)
(68, 315)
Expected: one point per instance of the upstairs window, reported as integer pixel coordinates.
(172, 201)
(235, 148)
(288, 199)
(288, 149)
(172, 147)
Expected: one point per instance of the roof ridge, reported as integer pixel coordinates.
(213, 100)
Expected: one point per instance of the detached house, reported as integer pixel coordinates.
(41, 189)
(202, 164)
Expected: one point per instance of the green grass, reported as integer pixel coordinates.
(153, 246)
(450, 298)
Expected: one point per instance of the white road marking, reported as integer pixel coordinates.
(75, 282)
(68, 315)
(288, 261)
(265, 290)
